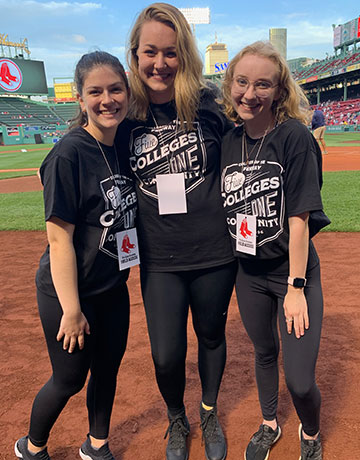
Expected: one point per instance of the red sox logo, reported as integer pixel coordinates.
(10, 75)
(244, 230)
(126, 244)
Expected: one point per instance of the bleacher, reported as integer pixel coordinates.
(341, 112)
(24, 112)
(328, 65)
(65, 111)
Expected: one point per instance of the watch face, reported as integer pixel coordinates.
(299, 282)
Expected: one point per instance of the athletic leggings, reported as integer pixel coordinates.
(260, 288)
(167, 297)
(108, 317)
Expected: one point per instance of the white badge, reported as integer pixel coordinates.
(171, 193)
(246, 233)
(128, 248)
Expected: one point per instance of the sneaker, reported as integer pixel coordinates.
(178, 430)
(22, 451)
(212, 434)
(310, 449)
(261, 443)
(87, 452)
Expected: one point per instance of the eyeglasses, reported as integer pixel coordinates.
(262, 88)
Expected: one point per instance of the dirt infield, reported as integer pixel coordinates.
(139, 420)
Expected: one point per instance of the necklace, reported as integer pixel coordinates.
(248, 155)
(164, 137)
(244, 150)
(156, 123)
(106, 160)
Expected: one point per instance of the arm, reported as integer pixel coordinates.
(64, 274)
(295, 305)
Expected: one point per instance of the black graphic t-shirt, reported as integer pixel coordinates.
(199, 238)
(80, 189)
(279, 181)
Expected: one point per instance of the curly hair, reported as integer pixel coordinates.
(188, 79)
(292, 101)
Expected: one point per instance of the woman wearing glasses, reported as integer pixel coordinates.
(271, 179)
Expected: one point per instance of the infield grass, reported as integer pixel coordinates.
(342, 139)
(341, 200)
(340, 194)
(22, 211)
(12, 157)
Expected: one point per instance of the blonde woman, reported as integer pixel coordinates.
(185, 249)
(271, 179)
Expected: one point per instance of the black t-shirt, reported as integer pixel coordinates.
(80, 189)
(282, 180)
(199, 238)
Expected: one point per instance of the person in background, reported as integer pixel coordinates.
(318, 127)
(186, 256)
(82, 296)
(270, 183)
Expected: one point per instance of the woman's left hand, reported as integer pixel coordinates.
(296, 311)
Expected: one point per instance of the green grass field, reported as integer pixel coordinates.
(24, 211)
(342, 139)
(12, 157)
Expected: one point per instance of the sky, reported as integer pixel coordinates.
(59, 32)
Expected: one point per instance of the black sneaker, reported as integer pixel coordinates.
(87, 452)
(22, 451)
(261, 443)
(310, 449)
(212, 434)
(178, 430)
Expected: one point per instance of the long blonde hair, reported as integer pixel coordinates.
(292, 101)
(188, 80)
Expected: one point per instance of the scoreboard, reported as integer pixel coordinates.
(22, 76)
(348, 33)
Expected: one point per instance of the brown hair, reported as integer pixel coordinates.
(86, 63)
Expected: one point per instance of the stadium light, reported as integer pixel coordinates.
(196, 16)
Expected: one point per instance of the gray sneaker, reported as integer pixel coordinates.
(212, 434)
(22, 451)
(261, 443)
(87, 452)
(310, 449)
(178, 430)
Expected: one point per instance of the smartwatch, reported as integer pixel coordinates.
(297, 282)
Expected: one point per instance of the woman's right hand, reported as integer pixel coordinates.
(72, 328)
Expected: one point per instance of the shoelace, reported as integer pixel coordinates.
(310, 451)
(177, 431)
(210, 427)
(264, 438)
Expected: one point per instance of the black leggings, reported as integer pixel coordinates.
(260, 294)
(108, 317)
(167, 297)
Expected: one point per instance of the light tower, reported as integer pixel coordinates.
(196, 16)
